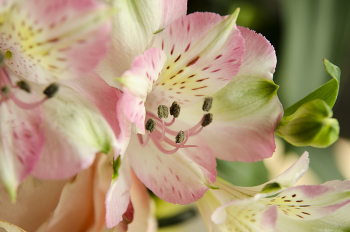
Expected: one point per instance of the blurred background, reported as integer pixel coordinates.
(303, 32)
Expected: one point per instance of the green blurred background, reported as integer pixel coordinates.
(303, 32)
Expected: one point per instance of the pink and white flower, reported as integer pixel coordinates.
(299, 208)
(196, 56)
(44, 42)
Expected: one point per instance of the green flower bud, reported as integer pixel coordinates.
(310, 125)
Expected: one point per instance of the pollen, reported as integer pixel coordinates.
(208, 101)
(175, 109)
(51, 90)
(162, 111)
(180, 137)
(208, 118)
(150, 125)
(23, 86)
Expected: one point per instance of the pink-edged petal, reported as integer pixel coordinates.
(125, 127)
(137, 83)
(310, 202)
(75, 131)
(51, 40)
(142, 205)
(173, 10)
(181, 177)
(36, 199)
(247, 110)
(134, 28)
(118, 196)
(22, 139)
(204, 52)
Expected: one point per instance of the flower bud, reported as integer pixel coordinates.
(310, 125)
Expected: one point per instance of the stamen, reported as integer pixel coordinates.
(208, 118)
(24, 105)
(180, 137)
(5, 90)
(170, 123)
(159, 146)
(141, 140)
(175, 109)
(51, 90)
(162, 111)
(24, 86)
(150, 125)
(197, 132)
(208, 101)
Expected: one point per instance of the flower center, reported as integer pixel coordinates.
(159, 132)
(7, 90)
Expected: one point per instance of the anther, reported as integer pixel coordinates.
(208, 118)
(208, 101)
(24, 86)
(175, 109)
(2, 58)
(5, 90)
(51, 90)
(150, 125)
(162, 111)
(180, 137)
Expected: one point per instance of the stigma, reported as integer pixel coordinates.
(157, 129)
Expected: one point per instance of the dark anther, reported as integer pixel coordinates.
(2, 58)
(162, 111)
(24, 86)
(208, 118)
(151, 125)
(51, 90)
(5, 90)
(180, 137)
(208, 101)
(175, 109)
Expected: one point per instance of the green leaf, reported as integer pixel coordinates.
(328, 92)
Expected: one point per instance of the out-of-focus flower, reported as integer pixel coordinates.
(76, 204)
(43, 42)
(299, 208)
(191, 60)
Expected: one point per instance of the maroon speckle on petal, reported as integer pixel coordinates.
(218, 57)
(180, 71)
(172, 50)
(162, 44)
(217, 70)
(200, 87)
(188, 27)
(205, 68)
(177, 58)
(193, 61)
(202, 79)
(172, 187)
(177, 178)
(172, 77)
(188, 46)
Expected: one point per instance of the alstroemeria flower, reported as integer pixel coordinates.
(43, 42)
(195, 57)
(299, 208)
(76, 204)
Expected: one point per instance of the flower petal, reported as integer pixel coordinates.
(75, 131)
(50, 40)
(137, 83)
(310, 202)
(22, 139)
(242, 214)
(133, 32)
(247, 110)
(118, 196)
(204, 52)
(181, 177)
(10, 227)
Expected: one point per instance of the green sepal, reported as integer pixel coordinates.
(328, 92)
(311, 124)
(116, 165)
